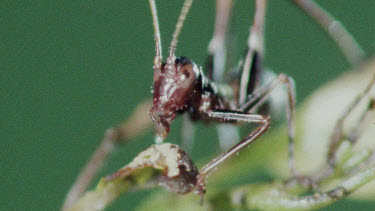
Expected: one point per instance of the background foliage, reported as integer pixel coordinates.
(71, 69)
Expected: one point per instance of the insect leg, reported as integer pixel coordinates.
(216, 64)
(259, 97)
(230, 117)
(252, 63)
(358, 129)
(338, 133)
(216, 60)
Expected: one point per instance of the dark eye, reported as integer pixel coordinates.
(187, 76)
(185, 73)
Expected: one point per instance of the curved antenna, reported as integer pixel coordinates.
(158, 56)
(180, 23)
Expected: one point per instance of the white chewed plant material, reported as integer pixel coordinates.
(177, 171)
(167, 157)
(163, 155)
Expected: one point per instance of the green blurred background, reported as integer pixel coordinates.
(71, 69)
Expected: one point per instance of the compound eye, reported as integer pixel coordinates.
(187, 75)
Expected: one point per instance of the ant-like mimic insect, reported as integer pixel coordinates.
(180, 86)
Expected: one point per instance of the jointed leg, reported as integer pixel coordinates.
(251, 65)
(217, 49)
(259, 97)
(253, 59)
(216, 63)
(231, 116)
(338, 134)
(358, 129)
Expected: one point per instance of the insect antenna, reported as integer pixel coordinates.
(180, 23)
(158, 56)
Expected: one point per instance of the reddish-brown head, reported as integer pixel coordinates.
(174, 80)
(174, 84)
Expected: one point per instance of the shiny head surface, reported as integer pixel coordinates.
(173, 87)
